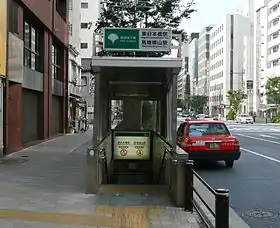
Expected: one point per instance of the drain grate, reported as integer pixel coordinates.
(13, 161)
(260, 214)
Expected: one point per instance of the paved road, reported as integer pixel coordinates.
(254, 182)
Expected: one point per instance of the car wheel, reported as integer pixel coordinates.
(229, 163)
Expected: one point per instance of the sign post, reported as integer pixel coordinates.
(132, 145)
(142, 40)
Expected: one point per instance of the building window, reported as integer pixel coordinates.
(70, 29)
(275, 21)
(13, 17)
(84, 25)
(84, 81)
(275, 63)
(274, 8)
(275, 49)
(84, 45)
(84, 5)
(57, 63)
(61, 8)
(32, 47)
(275, 35)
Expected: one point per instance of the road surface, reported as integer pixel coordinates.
(254, 181)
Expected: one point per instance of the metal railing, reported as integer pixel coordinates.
(221, 210)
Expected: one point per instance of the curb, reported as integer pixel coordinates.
(234, 219)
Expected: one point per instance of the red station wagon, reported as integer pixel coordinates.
(208, 140)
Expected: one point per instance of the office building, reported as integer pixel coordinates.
(90, 11)
(267, 50)
(203, 62)
(193, 62)
(183, 77)
(36, 95)
(76, 102)
(226, 61)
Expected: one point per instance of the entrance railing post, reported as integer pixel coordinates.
(189, 185)
(222, 208)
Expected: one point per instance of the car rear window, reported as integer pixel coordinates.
(199, 129)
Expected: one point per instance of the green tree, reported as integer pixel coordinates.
(273, 90)
(273, 95)
(180, 103)
(187, 101)
(151, 13)
(198, 103)
(235, 98)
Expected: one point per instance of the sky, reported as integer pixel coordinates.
(209, 12)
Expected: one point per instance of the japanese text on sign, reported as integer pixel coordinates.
(155, 39)
(136, 147)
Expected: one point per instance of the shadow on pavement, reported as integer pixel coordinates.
(210, 166)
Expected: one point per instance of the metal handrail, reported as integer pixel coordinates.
(204, 183)
(103, 159)
(167, 151)
(221, 212)
(103, 156)
(162, 165)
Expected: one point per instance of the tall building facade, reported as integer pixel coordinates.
(36, 101)
(226, 61)
(76, 102)
(90, 11)
(182, 83)
(203, 61)
(193, 62)
(267, 49)
(249, 57)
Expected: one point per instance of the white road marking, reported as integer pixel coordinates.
(260, 155)
(265, 140)
(268, 136)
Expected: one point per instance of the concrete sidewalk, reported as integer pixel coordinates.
(44, 187)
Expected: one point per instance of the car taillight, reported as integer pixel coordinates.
(232, 143)
(236, 144)
(188, 143)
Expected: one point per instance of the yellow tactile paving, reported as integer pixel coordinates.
(133, 189)
(56, 218)
(122, 216)
(129, 216)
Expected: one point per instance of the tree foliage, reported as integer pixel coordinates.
(195, 103)
(198, 103)
(235, 98)
(150, 13)
(273, 90)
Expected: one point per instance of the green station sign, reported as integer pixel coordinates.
(130, 39)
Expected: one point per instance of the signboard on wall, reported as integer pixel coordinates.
(91, 84)
(249, 84)
(131, 145)
(134, 39)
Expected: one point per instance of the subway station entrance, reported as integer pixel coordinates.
(131, 158)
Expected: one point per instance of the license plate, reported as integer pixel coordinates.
(213, 145)
(199, 143)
